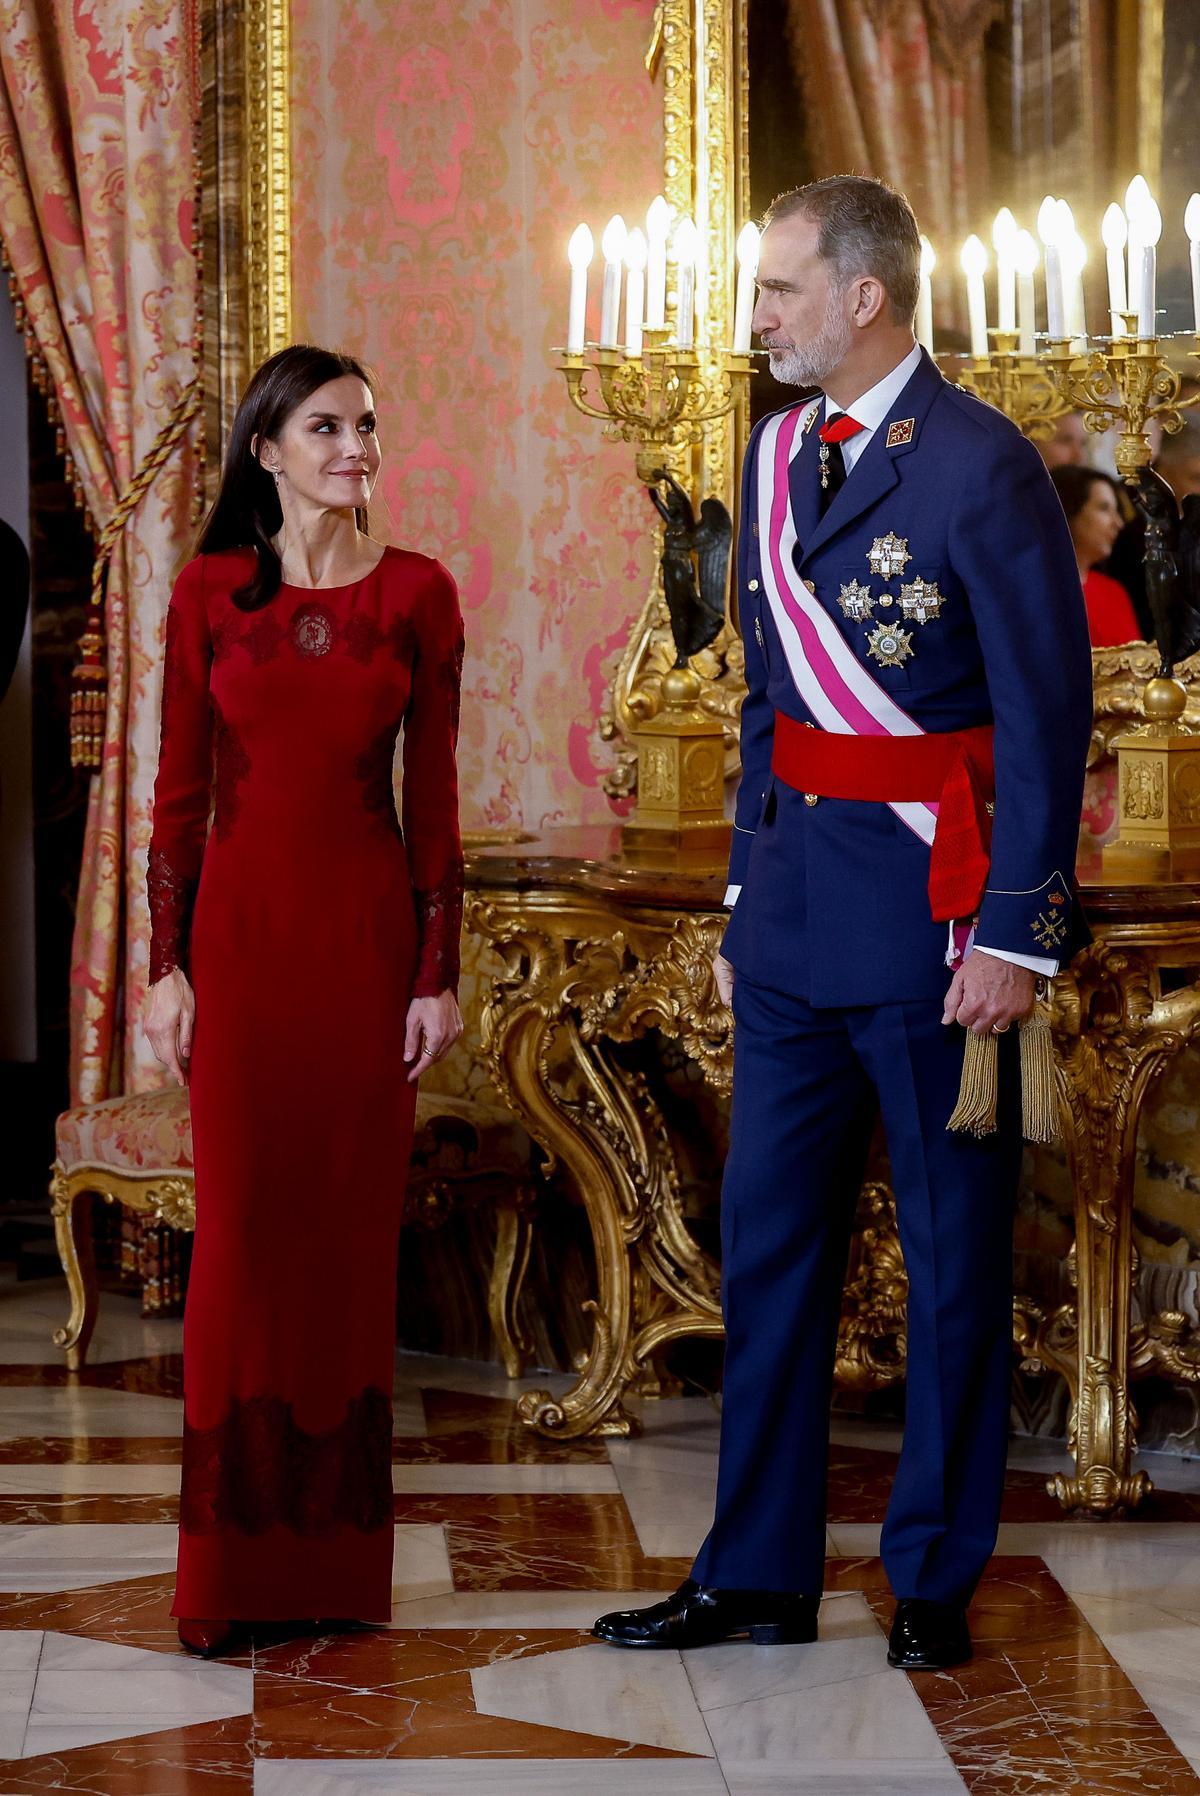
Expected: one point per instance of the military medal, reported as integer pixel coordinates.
(920, 600)
(888, 556)
(889, 644)
(856, 601)
(824, 461)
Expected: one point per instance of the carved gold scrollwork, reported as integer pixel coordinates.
(1116, 1026)
(573, 990)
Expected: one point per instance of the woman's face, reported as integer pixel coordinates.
(327, 454)
(1097, 525)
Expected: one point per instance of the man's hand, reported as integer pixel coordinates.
(723, 974)
(988, 993)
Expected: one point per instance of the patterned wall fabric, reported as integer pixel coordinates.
(443, 152)
(97, 192)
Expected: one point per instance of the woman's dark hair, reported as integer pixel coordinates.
(246, 513)
(1073, 484)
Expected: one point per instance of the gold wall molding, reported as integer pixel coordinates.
(245, 206)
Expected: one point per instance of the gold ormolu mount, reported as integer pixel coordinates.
(1158, 792)
(680, 814)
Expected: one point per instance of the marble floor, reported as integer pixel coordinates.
(1086, 1676)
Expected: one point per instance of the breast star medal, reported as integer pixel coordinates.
(856, 601)
(889, 644)
(920, 600)
(889, 556)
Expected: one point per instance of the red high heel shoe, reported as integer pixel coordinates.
(206, 1638)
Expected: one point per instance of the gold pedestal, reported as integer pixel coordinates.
(1158, 792)
(680, 812)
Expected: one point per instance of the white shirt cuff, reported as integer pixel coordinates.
(731, 895)
(1035, 963)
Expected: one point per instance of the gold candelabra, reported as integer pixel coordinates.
(1018, 383)
(661, 399)
(1128, 382)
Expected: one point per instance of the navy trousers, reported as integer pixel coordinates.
(805, 1089)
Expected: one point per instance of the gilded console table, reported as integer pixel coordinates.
(597, 951)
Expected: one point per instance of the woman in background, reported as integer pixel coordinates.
(304, 964)
(1093, 510)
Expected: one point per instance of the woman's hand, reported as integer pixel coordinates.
(432, 1028)
(170, 1018)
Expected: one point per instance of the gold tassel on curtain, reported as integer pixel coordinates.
(89, 683)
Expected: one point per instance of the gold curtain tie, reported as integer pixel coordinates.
(89, 681)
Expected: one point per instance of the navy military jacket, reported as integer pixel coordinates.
(834, 904)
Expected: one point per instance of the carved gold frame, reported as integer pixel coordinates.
(246, 178)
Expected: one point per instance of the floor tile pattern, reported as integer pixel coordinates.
(1086, 1678)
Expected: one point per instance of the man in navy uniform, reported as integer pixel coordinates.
(913, 738)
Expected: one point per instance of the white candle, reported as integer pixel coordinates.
(684, 248)
(579, 254)
(612, 246)
(1115, 232)
(1073, 257)
(1191, 224)
(1025, 255)
(743, 311)
(1136, 195)
(1049, 225)
(635, 282)
(1004, 233)
(974, 261)
(658, 226)
(1149, 230)
(925, 297)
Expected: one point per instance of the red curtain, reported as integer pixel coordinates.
(97, 211)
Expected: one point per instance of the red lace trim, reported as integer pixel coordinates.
(439, 924)
(450, 676)
(170, 897)
(231, 765)
(259, 1469)
(362, 636)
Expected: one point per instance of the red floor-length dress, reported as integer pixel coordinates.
(306, 919)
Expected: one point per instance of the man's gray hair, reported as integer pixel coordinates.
(866, 227)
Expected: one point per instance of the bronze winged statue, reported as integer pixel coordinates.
(1172, 564)
(696, 604)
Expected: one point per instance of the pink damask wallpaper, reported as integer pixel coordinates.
(443, 152)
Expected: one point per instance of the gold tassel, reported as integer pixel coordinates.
(978, 1092)
(1039, 1089)
(975, 1112)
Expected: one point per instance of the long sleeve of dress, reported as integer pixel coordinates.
(429, 787)
(183, 787)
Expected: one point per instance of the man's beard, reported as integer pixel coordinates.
(810, 364)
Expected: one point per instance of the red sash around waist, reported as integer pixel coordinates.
(952, 769)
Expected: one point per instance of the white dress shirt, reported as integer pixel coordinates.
(870, 410)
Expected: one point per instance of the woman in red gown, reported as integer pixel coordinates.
(304, 963)
(1089, 498)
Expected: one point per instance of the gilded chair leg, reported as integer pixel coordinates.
(514, 1238)
(72, 1212)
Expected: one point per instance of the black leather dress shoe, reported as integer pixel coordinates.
(928, 1636)
(697, 1616)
